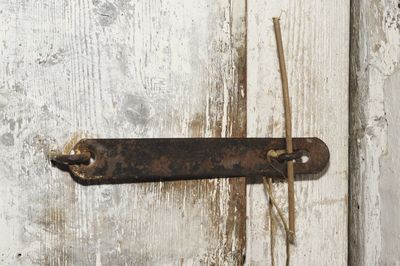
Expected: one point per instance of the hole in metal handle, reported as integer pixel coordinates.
(281, 156)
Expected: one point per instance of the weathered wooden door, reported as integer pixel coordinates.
(113, 69)
(316, 38)
(110, 69)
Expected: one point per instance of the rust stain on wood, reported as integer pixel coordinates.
(162, 60)
(197, 125)
(236, 220)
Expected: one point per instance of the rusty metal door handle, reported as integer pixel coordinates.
(138, 160)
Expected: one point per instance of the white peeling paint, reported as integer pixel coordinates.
(114, 69)
(375, 59)
(316, 42)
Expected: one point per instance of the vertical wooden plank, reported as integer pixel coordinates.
(316, 43)
(118, 69)
(374, 142)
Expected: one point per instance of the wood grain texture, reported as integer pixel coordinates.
(316, 43)
(118, 69)
(374, 107)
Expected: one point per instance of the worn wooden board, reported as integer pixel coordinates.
(374, 103)
(106, 69)
(316, 43)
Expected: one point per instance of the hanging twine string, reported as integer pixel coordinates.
(288, 127)
(268, 189)
(272, 221)
(289, 228)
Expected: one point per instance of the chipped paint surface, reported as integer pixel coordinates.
(316, 42)
(116, 69)
(375, 79)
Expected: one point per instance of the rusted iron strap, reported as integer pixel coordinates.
(138, 160)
